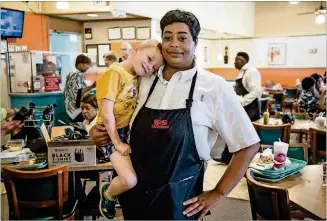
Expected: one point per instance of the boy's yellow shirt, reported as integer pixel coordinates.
(119, 85)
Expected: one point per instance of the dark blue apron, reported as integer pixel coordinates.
(168, 167)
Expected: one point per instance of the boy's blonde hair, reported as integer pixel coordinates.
(149, 43)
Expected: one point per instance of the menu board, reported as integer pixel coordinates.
(51, 83)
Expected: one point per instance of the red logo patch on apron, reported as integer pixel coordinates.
(160, 124)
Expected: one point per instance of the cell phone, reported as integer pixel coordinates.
(68, 132)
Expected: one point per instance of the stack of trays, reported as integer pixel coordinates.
(272, 175)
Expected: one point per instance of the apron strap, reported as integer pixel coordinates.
(151, 89)
(189, 101)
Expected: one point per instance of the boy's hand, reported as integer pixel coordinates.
(123, 148)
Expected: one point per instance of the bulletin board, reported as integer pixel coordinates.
(96, 52)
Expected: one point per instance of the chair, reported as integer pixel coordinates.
(297, 151)
(41, 194)
(317, 144)
(270, 133)
(267, 202)
(291, 93)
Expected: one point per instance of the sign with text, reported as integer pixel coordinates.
(51, 83)
(75, 153)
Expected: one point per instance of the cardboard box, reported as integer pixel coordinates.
(75, 153)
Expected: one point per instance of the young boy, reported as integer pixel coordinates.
(117, 91)
(307, 101)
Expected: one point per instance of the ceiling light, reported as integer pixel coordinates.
(92, 15)
(62, 5)
(320, 19)
(293, 2)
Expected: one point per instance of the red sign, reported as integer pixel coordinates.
(51, 83)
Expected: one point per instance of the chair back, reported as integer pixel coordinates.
(267, 202)
(317, 143)
(291, 91)
(270, 133)
(30, 191)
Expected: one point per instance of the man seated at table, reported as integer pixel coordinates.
(307, 101)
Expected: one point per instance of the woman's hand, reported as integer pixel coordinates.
(100, 136)
(10, 127)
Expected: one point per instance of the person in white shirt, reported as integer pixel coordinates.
(180, 112)
(248, 85)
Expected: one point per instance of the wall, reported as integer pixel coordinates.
(66, 25)
(74, 7)
(277, 18)
(212, 15)
(100, 32)
(35, 33)
(299, 63)
(297, 51)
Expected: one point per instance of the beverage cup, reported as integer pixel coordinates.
(280, 155)
(320, 121)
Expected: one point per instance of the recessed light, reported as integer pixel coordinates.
(293, 2)
(92, 15)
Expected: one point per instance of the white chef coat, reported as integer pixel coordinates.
(251, 82)
(215, 109)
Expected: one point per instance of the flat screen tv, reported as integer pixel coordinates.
(12, 23)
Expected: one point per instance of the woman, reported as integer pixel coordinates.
(179, 114)
(75, 88)
(319, 84)
(89, 107)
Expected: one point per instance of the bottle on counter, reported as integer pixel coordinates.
(266, 116)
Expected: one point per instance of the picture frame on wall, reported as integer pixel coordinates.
(143, 33)
(88, 33)
(114, 33)
(102, 49)
(128, 33)
(277, 54)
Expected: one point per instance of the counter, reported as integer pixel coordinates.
(17, 100)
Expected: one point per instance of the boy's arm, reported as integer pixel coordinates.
(107, 110)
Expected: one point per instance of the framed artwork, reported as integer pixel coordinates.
(277, 54)
(114, 33)
(88, 33)
(128, 33)
(102, 49)
(96, 52)
(143, 33)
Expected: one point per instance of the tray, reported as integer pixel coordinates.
(274, 180)
(35, 166)
(294, 166)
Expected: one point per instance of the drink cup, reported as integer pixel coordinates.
(280, 155)
(320, 121)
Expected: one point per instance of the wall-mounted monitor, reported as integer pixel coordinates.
(12, 23)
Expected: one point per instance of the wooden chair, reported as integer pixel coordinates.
(267, 202)
(41, 194)
(270, 133)
(317, 144)
(290, 97)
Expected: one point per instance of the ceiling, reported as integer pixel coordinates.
(101, 16)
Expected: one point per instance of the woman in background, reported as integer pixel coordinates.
(89, 107)
(109, 58)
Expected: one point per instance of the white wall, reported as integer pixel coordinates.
(232, 17)
(297, 51)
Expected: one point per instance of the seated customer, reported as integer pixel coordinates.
(89, 107)
(307, 101)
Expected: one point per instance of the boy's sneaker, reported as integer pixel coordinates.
(106, 207)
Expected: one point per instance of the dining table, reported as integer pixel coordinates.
(306, 192)
(299, 125)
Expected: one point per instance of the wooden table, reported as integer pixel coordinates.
(102, 166)
(298, 126)
(305, 191)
